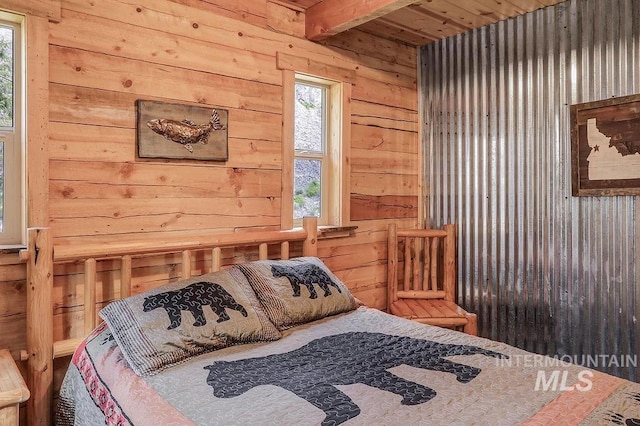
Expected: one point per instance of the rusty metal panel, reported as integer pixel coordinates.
(544, 271)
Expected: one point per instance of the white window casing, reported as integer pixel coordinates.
(12, 138)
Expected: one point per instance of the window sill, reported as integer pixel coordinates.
(328, 232)
(11, 248)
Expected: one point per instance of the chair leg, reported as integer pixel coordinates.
(471, 327)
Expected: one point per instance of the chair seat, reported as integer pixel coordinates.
(434, 312)
(427, 308)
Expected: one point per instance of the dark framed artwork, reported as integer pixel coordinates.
(177, 131)
(605, 147)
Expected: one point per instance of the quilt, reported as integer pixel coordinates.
(364, 367)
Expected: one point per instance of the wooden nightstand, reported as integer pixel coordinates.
(13, 390)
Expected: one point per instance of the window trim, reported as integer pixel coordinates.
(14, 217)
(339, 130)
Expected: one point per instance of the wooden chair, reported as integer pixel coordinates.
(427, 293)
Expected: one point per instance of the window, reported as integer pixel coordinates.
(12, 183)
(319, 156)
(310, 162)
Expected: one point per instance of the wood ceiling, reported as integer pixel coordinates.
(415, 22)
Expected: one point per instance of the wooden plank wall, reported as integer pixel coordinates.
(218, 53)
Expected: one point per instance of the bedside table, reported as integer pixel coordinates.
(13, 390)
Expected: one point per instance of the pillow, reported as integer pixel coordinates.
(169, 324)
(297, 291)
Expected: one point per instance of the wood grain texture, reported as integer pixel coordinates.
(40, 255)
(103, 56)
(49, 9)
(288, 123)
(427, 292)
(89, 295)
(310, 246)
(83, 31)
(95, 70)
(125, 276)
(40, 326)
(13, 390)
(303, 65)
(375, 184)
(333, 16)
(392, 263)
(342, 214)
(186, 264)
(284, 19)
(418, 22)
(368, 207)
(38, 113)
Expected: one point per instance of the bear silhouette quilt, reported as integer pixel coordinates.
(297, 291)
(186, 318)
(345, 359)
(360, 368)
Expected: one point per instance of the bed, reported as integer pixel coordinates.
(282, 341)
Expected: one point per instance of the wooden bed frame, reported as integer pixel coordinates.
(41, 255)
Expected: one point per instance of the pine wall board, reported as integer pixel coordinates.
(105, 55)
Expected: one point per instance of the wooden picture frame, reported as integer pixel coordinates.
(605, 147)
(176, 131)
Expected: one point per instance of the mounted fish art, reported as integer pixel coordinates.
(181, 131)
(186, 132)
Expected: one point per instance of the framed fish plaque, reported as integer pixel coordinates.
(167, 130)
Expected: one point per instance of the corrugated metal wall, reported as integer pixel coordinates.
(545, 271)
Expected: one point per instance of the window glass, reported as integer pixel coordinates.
(6, 103)
(1, 186)
(12, 183)
(309, 146)
(310, 113)
(6, 76)
(307, 188)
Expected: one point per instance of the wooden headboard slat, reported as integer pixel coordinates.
(263, 250)
(89, 295)
(125, 276)
(434, 264)
(186, 264)
(284, 250)
(216, 259)
(407, 265)
(66, 347)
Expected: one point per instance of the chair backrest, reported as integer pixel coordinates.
(428, 257)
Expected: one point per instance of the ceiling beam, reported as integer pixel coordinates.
(330, 17)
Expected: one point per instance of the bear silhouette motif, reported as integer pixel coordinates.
(344, 359)
(192, 298)
(306, 275)
(619, 419)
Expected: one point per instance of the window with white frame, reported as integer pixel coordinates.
(318, 157)
(11, 130)
(310, 162)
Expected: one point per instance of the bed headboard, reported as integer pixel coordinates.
(41, 255)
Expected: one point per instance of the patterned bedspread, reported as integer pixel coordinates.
(362, 368)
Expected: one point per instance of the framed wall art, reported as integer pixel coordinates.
(605, 147)
(176, 131)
